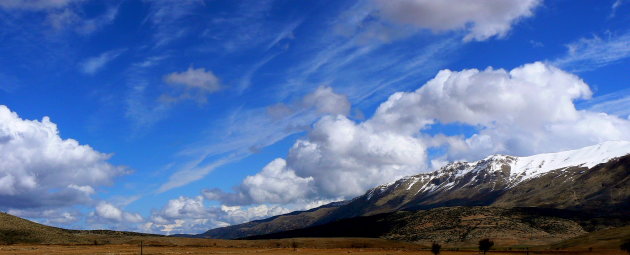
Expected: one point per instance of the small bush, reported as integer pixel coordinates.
(435, 248)
(625, 246)
(485, 245)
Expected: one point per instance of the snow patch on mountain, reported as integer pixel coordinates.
(588, 157)
(520, 168)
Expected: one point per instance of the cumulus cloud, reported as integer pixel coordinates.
(106, 212)
(527, 110)
(48, 216)
(274, 184)
(194, 83)
(190, 215)
(38, 168)
(95, 64)
(325, 100)
(480, 19)
(339, 158)
(322, 100)
(251, 130)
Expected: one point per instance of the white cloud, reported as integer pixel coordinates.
(326, 101)
(274, 184)
(614, 8)
(95, 64)
(194, 83)
(167, 16)
(35, 4)
(480, 19)
(248, 131)
(340, 158)
(190, 215)
(63, 14)
(106, 212)
(527, 110)
(57, 217)
(38, 168)
(591, 53)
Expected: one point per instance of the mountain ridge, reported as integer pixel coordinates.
(593, 177)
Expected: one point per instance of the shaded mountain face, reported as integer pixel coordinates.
(290, 221)
(456, 226)
(592, 178)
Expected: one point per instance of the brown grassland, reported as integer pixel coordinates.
(367, 246)
(135, 249)
(20, 236)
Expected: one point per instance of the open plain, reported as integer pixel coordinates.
(192, 250)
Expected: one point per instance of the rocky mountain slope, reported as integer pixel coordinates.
(594, 177)
(458, 226)
(285, 222)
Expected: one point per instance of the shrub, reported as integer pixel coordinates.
(485, 245)
(435, 248)
(625, 246)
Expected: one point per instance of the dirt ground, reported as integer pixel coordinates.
(154, 250)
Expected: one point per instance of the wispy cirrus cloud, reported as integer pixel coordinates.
(93, 65)
(588, 54)
(36, 4)
(617, 103)
(246, 131)
(167, 17)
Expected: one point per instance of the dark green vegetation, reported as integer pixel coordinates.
(485, 245)
(435, 248)
(625, 246)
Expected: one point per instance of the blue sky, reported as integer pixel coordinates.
(201, 114)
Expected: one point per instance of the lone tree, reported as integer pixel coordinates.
(435, 248)
(625, 246)
(485, 245)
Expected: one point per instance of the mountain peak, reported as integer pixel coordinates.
(510, 170)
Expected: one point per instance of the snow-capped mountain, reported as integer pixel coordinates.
(501, 180)
(594, 177)
(514, 170)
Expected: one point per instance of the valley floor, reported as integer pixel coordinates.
(155, 250)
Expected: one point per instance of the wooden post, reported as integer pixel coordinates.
(140, 247)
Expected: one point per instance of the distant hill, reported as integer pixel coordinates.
(290, 221)
(14, 229)
(594, 178)
(460, 226)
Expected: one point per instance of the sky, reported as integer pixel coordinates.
(178, 116)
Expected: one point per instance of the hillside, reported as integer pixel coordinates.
(592, 178)
(290, 221)
(17, 230)
(460, 226)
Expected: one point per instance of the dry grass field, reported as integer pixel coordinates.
(192, 250)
